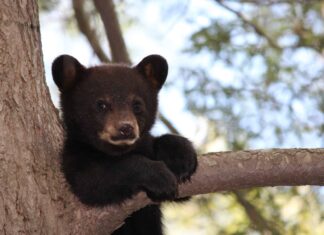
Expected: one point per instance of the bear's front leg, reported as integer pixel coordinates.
(101, 182)
(178, 154)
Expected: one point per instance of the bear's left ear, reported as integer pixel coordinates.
(155, 69)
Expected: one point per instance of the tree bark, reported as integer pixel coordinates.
(221, 172)
(34, 197)
(30, 132)
(82, 20)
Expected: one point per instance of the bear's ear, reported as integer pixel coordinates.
(66, 71)
(155, 69)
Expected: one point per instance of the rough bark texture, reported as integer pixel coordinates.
(256, 168)
(34, 198)
(30, 132)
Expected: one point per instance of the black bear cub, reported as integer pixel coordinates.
(109, 154)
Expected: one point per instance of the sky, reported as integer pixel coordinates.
(166, 41)
(166, 34)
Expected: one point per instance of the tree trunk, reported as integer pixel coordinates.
(30, 132)
(34, 198)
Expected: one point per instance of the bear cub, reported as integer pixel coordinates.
(109, 154)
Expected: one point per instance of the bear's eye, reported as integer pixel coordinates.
(137, 107)
(103, 106)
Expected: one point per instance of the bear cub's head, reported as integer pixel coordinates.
(112, 106)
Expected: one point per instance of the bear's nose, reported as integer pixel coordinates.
(126, 131)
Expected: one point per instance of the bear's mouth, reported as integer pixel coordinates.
(118, 140)
(121, 140)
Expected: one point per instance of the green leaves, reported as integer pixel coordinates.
(273, 56)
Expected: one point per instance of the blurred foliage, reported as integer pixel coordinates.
(264, 81)
(288, 211)
(263, 86)
(256, 77)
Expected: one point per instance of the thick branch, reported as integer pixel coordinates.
(109, 18)
(220, 172)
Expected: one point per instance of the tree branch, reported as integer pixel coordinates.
(109, 18)
(256, 218)
(254, 26)
(85, 28)
(168, 124)
(221, 171)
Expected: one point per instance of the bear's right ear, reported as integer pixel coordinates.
(66, 70)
